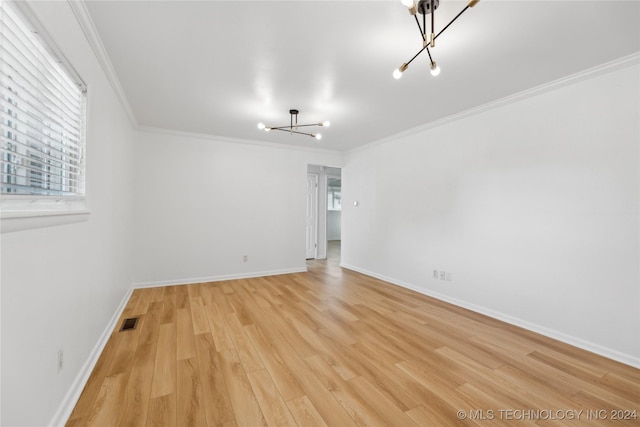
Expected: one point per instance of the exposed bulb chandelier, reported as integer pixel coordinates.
(293, 127)
(426, 7)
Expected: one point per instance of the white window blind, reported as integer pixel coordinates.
(43, 113)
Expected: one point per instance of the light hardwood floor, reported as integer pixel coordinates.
(332, 347)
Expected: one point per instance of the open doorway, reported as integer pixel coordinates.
(324, 212)
(334, 215)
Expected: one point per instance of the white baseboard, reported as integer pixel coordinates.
(191, 280)
(71, 398)
(627, 359)
(73, 394)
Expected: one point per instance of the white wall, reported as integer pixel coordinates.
(204, 203)
(334, 223)
(62, 285)
(532, 206)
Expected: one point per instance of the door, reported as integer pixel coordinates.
(312, 216)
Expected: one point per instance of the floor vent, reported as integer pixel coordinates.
(129, 324)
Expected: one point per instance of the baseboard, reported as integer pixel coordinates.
(627, 359)
(73, 394)
(191, 280)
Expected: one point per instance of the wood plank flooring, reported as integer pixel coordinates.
(332, 347)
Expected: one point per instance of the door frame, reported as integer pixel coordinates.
(315, 209)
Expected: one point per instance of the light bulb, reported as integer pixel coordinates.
(267, 129)
(398, 72)
(435, 69)
(407, 3)
(326, 123)
(318, 136)
(261, 126)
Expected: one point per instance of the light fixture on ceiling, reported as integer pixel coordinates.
(293, 127)
(426, 7)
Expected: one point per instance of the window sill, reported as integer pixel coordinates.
(19, 221)
(19, 214)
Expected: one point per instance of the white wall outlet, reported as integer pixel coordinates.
(447, 276)
(245, 258)
(60, 360)
(442, 275)
(435, 274)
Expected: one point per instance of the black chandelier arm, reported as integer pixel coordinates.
(433, 17)
(293, 126)
(424, 27)
(287, 129)
(425, 7)
(451, 22)
(312, 124)
(419, 52)
(422, 33)
(430, 58)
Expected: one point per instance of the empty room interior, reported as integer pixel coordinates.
(331, 213)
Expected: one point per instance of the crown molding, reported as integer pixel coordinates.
(83, 17)
(607, 67)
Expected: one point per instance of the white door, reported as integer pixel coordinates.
(312, 215)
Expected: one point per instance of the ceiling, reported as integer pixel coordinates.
(220, 67)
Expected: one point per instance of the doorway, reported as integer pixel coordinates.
(312, 216)
(334, 214)
(328, 212)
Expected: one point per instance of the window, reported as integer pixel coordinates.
(43, 114)
(334, 188)
(42, 127)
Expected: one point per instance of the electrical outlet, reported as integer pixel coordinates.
(60, 360)
(435, 274)
(442, 275)
(245, 258)
(447, 276)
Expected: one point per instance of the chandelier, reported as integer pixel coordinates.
(426, 7)
(293, 126)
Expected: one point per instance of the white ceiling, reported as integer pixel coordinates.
(220, 67)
